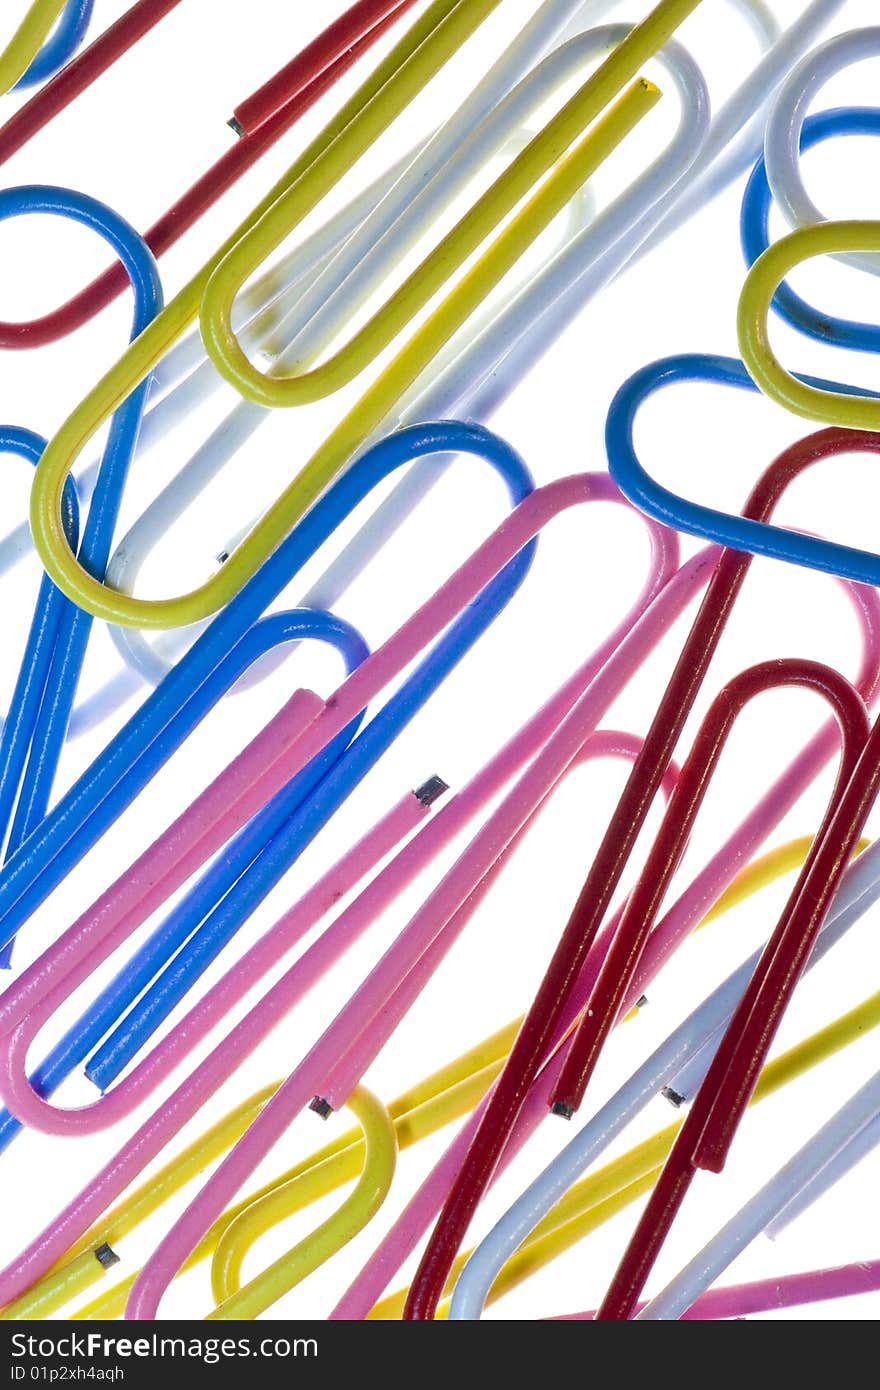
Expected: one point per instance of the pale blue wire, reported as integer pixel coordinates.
(858, 890)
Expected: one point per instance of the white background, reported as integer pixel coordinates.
(138, 139)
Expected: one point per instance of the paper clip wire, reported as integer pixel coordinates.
(430, 1104)
(466, 1080)
(628, 1177)
(25, 44)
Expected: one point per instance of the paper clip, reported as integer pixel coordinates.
(730, 1079)
(677, 1066)
(203, 923)
(305, 80)
(210, 913)
(608, 865)
(302, 188)
(578, 490)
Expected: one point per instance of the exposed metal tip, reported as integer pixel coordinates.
(673, 1097)
(106, 1256)
(563, 1109)
(642, 1002)
(236, 126)
(431, 790)
(321, 1106)
(222, 557)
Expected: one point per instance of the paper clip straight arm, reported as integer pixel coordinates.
(809, 1161)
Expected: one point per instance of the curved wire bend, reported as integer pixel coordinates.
(802, 397)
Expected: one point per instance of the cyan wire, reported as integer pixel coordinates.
(78, 820)
(726, 528)
(693, 1041)
(60, 46)
(295, 626)
(755, 233)
(301, 829)
(32, 673)
(57, 643)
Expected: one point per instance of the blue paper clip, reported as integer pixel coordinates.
(729, 529)
(32, 740)
(262, 853)
(755, 233)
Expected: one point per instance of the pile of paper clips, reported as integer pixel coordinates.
(181, 1013)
